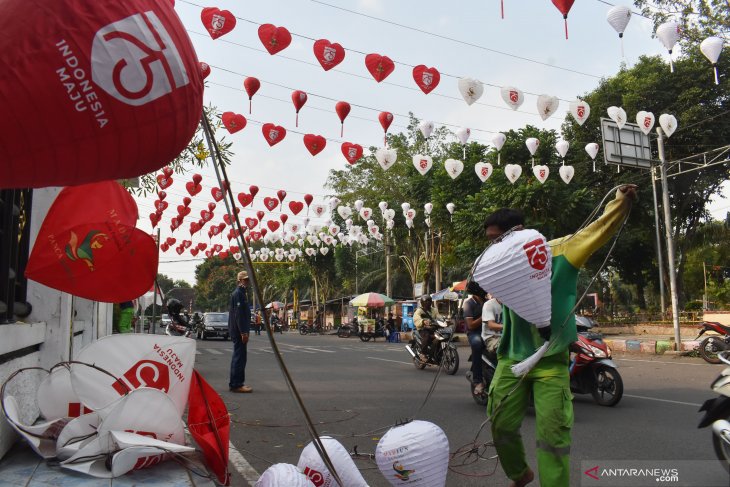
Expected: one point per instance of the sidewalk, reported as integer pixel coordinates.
(23, 467)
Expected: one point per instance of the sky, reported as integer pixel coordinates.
(467, 39)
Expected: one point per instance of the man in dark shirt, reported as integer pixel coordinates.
(239, 325)
(473, 317)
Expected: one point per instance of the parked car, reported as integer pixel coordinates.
(165, 320)
(213, 325)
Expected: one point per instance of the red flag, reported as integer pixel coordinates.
(113, 88)
(88, 245)
(209, 424)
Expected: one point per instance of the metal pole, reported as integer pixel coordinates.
(356, 288)
(154, 295)
(437, 266)
(704, 278)
(660, 257)
(670, 241)
(388, 289)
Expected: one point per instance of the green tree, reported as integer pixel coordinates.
(698, 18)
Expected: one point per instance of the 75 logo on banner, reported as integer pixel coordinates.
(136, 61)
(145, 373)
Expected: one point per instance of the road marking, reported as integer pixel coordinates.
(386, 360)
(198, 352)
(305, 349)
(213, 351)
(663, 400)
(656, 361)
(241, 465)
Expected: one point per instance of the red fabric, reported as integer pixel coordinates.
(96, 122)
(88, 245)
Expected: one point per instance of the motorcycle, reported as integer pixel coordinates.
(380, 331)
(305, 328)
(713, 344)
(591, 369)
(276, 324)
(346, 330)
(442, 349)
(717, 412)
(178, 326)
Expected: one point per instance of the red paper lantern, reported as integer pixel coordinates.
(251, 85)
(274, 39)
(329, 54)
(564, 6)
(298, 98)
(379, 66)
(114, 87)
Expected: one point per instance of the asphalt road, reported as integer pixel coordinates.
(354, 391)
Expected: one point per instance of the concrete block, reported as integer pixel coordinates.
(663, 346)
(689, 345)
(618, 345)
(633, 346)
(648, 346)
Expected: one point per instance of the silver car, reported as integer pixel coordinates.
(214, 325)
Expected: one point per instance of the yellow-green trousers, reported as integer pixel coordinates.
(549, 382)
(125, 320)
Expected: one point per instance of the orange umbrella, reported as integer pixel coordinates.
(459, 286)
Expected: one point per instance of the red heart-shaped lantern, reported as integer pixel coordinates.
(343, 110)
(162, 195)
(251, 222)
(255, 235)
(270, 203)
(211, 206)
(217, 22)
(167, 171)
(352, 152)
(186, 201)
(314, 143)
(233, 122)
(254, 190)
(88, 243)
(274, 39)
(202, 246)
(281, 194)
(426, 78)
(273, 225)
(379, 66)
(245, 199)
(273, 133)
(217, 194)
(154, 219)
(160, 205)
(117, 84)
(186, 243)
(206, 215)
(194, 252)
(197, 178)
(193, 188)
(260, 214)
(164, 181)
(183, 210)
(179, 250)
(170, 240)
(296, 206)
(194, 227)
(264, 232)
(329, 54)
(164, 247)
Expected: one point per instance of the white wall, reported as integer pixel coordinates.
(59, 326)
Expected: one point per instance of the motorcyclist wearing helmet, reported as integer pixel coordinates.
(174, 307)
(425, 321)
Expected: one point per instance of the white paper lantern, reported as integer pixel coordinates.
(450, 207)
(405, 206)
(517, 271)
(383, 205)
(547, 105)
(562, 147)
(414, 454)
(618, 115)
(512, 96)
(541, 173)
(386, 157)
(359, 204)
(566, 173)
(668, 123)
(312, 465)
(453, 167)
(668, 34)
(428, 208)
(483, 170)
(498, 140)
(592, 149)
(711, 48)
(366, 213)
(618, 17)
(55, 396)
(319, 210)
(422, 164)
(580, 110)
(471, 89)
(345, 212)
(334, 201)
(463, 135)
(513, 172)
(645, 121)
(532, 144)
(426, 128)
(283, 475)
(410, 214)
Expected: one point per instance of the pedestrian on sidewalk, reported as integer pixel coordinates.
(239, 327)
(548, 381)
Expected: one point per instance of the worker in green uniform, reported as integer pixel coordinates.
(549, 380)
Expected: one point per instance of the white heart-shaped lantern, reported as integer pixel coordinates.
(366, 213)
(512, 96)
(426, 128)
(319, 210)
(463, 135)
(580, 110)
(618, 115)
(386, 157)
(483, 170)
(566, 173)
(345, 212)
(471, 89)
(453, 167)
(547, 105)
(645, 120)
(513, 172)
(668, 123)
(422, 164)
(541, 173)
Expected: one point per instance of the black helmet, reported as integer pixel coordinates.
(426, 298)
(473, 288)
(174, 306)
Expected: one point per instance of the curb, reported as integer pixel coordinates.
(654, 347)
